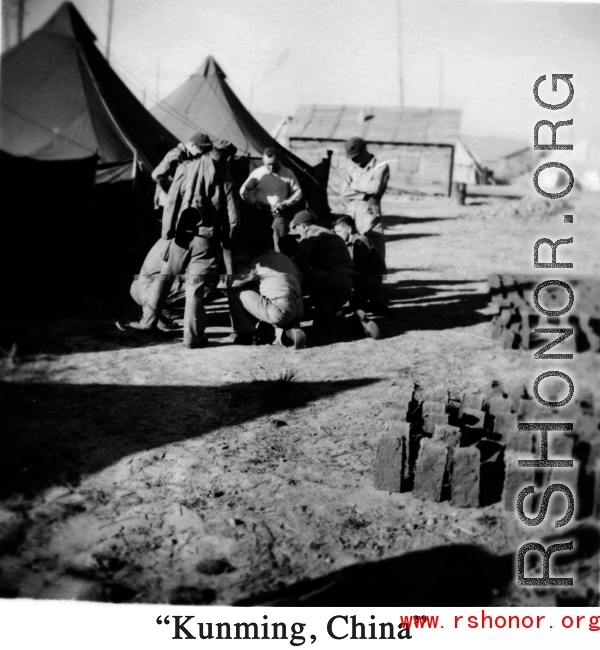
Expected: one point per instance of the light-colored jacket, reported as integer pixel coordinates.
(363, 188)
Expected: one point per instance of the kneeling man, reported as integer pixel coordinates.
(268, 292)
(141, 287)
(326, 268)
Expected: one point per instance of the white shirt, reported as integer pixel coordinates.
(271, 188)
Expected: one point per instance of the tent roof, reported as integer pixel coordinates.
(61, 100)
(205, 102)
(375, 124)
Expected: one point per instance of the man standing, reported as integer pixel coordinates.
(268, 292)
(201, 217)
(272, 190)
(364, 185)
(368, 284)
(164, 173)
(326, 266)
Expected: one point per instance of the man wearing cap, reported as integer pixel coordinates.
(164, 173)
(363, 187)
(267, 292)
(326, 266)
(201, 219)
(273, 191)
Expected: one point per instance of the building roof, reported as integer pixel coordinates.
(376, 124)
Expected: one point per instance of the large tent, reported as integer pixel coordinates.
(76, 152)
(206, 102)
(61, 100)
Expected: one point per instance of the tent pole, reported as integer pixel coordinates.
(400, 68)
(20, 19)
(6, 30)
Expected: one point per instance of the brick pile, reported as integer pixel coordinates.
(515, 317)
(446, 445)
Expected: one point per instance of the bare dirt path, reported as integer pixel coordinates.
(142, 471)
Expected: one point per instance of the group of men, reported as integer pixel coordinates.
(291, 257)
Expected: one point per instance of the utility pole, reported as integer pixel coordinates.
(20, 19)
(441, 59)
(400, 79)
(6, 26)
(110, 22)
(252, 92)
(157, 80)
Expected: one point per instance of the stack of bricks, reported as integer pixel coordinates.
(464, 447)
(516, 318)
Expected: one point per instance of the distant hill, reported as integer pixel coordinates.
(492, 148)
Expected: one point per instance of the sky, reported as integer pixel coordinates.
(479, 56)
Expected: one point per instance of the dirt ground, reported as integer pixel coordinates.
(136, 470)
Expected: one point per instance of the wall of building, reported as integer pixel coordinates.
(413, 168)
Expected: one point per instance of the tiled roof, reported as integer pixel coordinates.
(376, 124)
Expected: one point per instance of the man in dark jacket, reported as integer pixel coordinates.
(326, 267)
(164, 173)
(201, 219)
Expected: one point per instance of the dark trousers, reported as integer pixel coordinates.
(328, 292)
(368, 292)
(266, 231)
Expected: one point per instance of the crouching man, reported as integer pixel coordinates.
(141, 287)
(268, 292)
(327, 268)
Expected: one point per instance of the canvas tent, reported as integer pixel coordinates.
(61, 100)
(506, 159)
(206, 102)
(76, 151)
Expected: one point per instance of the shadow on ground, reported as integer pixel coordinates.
(69, 335)
(411, 235)
(412, 289)
(394, 220)
(457, 575)
(444, 576)
(444, 306)
(55, 434)
(73, 335)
